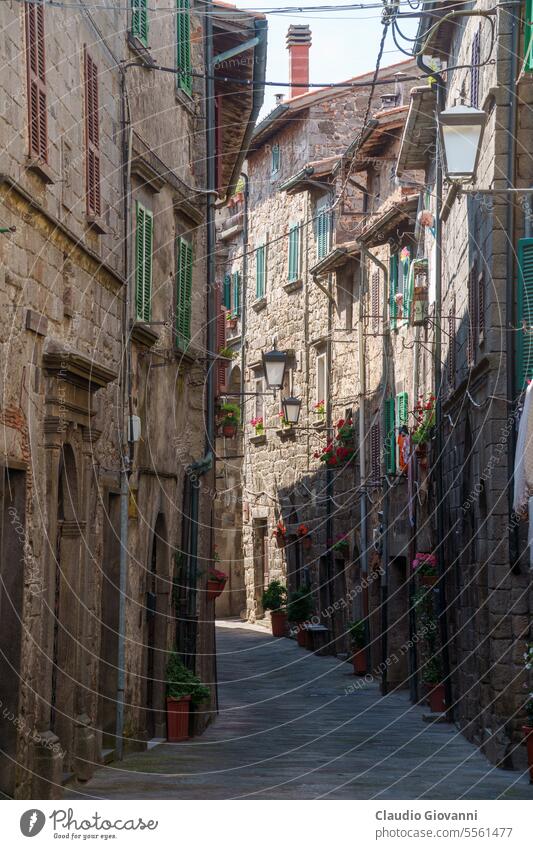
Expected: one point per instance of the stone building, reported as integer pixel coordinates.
(104, 203)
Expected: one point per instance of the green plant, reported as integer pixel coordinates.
(357, 634)
(424, 414)
(300, 606)
(227, 353)
(231, 414)
(274, 597)
(432, 672)
(182, 682)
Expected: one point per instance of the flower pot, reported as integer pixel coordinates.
(178, 719)
(280, 540)
(307, 543)
(232, 323)
(437, 703)
(428, 580)
(359, 662)
(302, 636)
(527, 731)
(278, 621)
(214, 589)
(421, 449)
(229, 430)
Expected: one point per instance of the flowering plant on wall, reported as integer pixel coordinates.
(320, 408)
(258, 424)
(338, 450)
(283, 420)
(424, 414)
(425, 564)
(280, 532)
(341, 544)
(345, 431)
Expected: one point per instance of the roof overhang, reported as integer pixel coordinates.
(315, 175)
(336, 258)
(440, 38)
(418, 140)
(399, 213)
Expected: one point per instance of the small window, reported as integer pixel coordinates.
(294, 253)
(236, 293)
(183, 45)
(323, 220)
(260, 272)
(260, 399)
(321, 379)
(276, 159)
(184, 294)
(139, 20)
(143, 263)
(36, 77)
(474, 69)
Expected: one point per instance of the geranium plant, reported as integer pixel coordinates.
(217, 575)
(341, 544)
(280, 531)
(424, 414)
(258, 424)
(303, 530)
(284, 422)
(425, 564)
(320, 408)
(339, 450)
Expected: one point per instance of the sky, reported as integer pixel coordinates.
(344, 43)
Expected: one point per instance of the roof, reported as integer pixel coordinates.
(284, 111)
(437, 42)
(309, 175)
(381, 132)
(336, 258)
(240, 103)
(420, 130)
(377, 233)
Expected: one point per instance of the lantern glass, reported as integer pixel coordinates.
(461, 131)
(274, 363)
(291, 409)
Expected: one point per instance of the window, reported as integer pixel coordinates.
(345, 287)
(92, 137)
(473, 315)
(524, 359)
(294, 253)
(375, 453)
(322, 230)
(184, 293)
(143, 263)
(451, 346)
(474, 69)
(260, 412)
(528, 37)
(393, 289)
(402, 420)
(374, 301)
(35, 62)
(139, 20)
(276, 159)
(226, 297)
(220, 330)
(321, 379)
(390, 436)
(236, 287)
(183, 46)
(260, 272)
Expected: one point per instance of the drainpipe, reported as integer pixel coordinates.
(244, 285)
(210, 229)
(362, 433)
(437, 367)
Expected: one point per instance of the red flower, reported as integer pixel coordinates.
(340, 423)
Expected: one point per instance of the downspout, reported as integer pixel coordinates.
(437, 367)
(244, 286)
(210, 135)
(362, 433)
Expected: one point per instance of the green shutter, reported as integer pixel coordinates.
(402, 405)
(528, 36)
(294, 252)
(260, 272)
(409, 288)
(184, 294)
(236, 293)
(183, 46)
(393, 288)
(524, 354)
(143, 263)
(275, 158)
(390, 437)
(139, 20)
(226, 297)
(322, 233)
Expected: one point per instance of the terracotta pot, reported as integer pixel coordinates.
(307, 543)
(359, 662)
(428, 580)
(437, 702)
(214, 589)
(280, 540)
(232, 323)
(178, 719)
(229, 431)
(278, 620)
(302, 637)
(527, 731)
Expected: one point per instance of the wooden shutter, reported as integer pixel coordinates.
(473, 333)
(260, 272)
(220, 340)
(226, 298)
(481, 302)
(390, 434)
(183, 47)
(236, 293)
(184, 294)
(143, 263)
(322, 234)
(294, 252)
(474, 70)
(92, 137)
(393, 288)
(375, 453)
(36, 65)
(402, 402)
(524, 358)
(452, 346)
(139, 20)
(528, 37)
(374, 300)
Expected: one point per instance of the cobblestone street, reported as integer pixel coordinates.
(288, 729)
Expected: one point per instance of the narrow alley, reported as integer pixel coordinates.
(294, 725)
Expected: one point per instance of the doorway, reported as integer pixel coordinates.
(157, 619)
(109, 617)
(261, 562)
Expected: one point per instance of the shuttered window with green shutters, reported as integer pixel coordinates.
(183, 45)
(143, 263)
(393, 289)
(139, 20)
(322, 233)
(276, 158)
(524, 358)
(402, 407)
(294, 253)
(528, 37)
(390, 440)
(236, 293)
(226, 297)
(260, 272)
(184, 293)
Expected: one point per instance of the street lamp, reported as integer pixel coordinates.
(274, 363)
(291, 409)
(461, 130)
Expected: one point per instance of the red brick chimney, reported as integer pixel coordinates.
(298, 44)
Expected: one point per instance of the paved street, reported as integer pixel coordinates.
(287, 729)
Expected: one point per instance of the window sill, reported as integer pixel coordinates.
(186, 356)
(259, 440)
(186, 100)
(286, 433)
(293, 285)
(41, 169)
(143, 333)
(259, 304)
(96, 224)
(320, 425)
(140, 49)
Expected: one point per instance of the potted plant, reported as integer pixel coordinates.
(284, 422)
(304, 536)
(183, 688)
(258, 424)
(345, 433)
(230, 418)
(279, 533)
(341, 544)
(320, 409)
(527, 729)
(432, 676)
(299, 609)
(216, 581)
(227, 353)
(275, 599)
(424, 414)
(425, 567)
(358, 641)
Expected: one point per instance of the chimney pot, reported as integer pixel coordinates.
(279, 98)
(298, 45)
